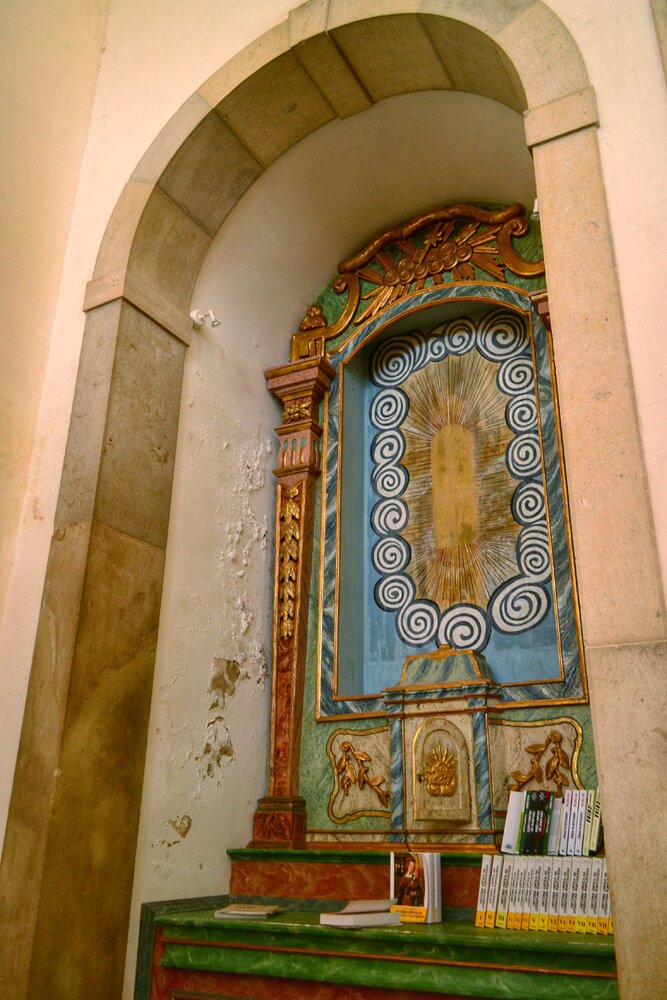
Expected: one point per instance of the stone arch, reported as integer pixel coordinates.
(107, 553)
(325, 62)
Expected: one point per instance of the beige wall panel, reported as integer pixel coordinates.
(537, 41)
(167, 250)
(50, 54)
(37, 775)
(473, 61)
(332, 73)
(392, 56)
(614, 541)
(275, 108)
(209, 173)
(137, 463)
(629, 707)
(85, 895)
(76, 499)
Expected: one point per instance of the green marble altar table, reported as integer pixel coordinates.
(186, 952)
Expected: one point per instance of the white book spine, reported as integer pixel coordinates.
(554, 832)
(572, 825)
(512, 821)
(582, 901)
(565, 825)
(527, 897)
(494, 889)
(593, 904)
(482, 896)
(545, 892)
(604, 909)
(565, 877)
(554, 898)
(581, 823)
(573, 895)
(590, 808)
(516, 893)
(504, 892)
(538, 870)
(433, 900)
(595, 830)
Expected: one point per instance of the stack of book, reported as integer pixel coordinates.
(541, 822)
(546, 879)
(541, 893)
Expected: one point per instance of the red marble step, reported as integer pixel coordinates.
(339, 875)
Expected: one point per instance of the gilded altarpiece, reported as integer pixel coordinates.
(441, 662)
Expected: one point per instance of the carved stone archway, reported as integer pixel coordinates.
(107, 554)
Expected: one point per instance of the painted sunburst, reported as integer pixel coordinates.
(460, 528)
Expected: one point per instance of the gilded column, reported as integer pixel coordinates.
(280, 817)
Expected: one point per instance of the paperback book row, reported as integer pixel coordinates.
(530, 893)
(541, 822)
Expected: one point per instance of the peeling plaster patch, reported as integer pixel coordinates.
(218, 739)
(245, 615)
(224, 678)
(181, 825)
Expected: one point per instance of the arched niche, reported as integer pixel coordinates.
(107, 554)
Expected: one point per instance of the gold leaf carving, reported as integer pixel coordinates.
(440, 767)
(455, 240)
(296, 410)
(557, 759)
(352, 769)
(314, 318)
(290, 533)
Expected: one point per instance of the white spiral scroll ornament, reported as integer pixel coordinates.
(519, 603)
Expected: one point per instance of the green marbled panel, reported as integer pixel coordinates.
(454, 940)
(390, 947)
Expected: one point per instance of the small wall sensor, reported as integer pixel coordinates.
(199, 318)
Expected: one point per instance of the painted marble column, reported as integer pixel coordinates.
(280, 817)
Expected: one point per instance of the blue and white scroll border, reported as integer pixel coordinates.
(571, 686)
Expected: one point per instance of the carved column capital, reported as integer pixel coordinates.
(300, 387)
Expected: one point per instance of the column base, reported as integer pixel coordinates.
(279, 821)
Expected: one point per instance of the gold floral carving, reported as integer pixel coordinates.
(440, 772)
(352, 769)
(552, 768)
(447, 247)
(453, 240)
(290, 534)
(296, 410)
(314, 318)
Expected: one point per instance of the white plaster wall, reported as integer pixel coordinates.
(156, 54)
(49, 56)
